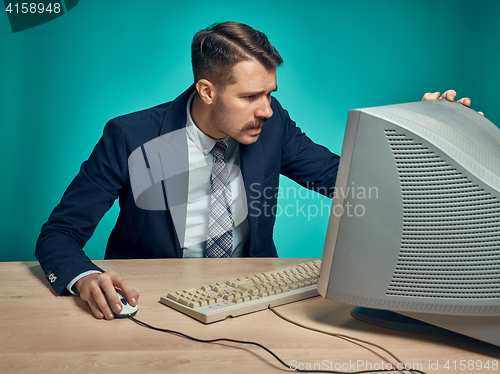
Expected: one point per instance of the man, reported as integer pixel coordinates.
(216, 148)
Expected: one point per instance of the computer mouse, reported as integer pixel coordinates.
(127, 309)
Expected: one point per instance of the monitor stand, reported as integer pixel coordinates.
(396, 321)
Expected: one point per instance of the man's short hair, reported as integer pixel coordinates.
(216, 49)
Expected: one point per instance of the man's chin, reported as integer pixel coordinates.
(248, 139)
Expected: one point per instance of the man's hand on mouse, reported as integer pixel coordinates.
(449, 95)
(97, 289)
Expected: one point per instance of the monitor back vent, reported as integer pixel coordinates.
(450, 246)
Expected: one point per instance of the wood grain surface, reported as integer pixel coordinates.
(44, 333)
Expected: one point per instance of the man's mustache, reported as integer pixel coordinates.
(255, 124)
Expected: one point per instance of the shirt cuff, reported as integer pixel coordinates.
(70, 285)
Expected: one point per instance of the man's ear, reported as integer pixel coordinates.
(206, 91)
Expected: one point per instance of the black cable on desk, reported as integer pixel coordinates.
(143, 324)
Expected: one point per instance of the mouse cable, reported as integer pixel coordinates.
(348, 338)
(177, 333)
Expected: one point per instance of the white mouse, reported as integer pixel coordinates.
(127, 309)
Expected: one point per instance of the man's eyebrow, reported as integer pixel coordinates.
(253, 93)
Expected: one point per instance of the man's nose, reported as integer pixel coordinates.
(264, 110)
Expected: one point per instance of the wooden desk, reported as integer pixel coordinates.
(42, 333)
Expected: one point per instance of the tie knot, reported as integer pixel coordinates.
(219, 150)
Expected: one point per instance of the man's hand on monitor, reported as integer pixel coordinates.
(97, 289)
(449, 95)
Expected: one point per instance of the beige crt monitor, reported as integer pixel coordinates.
(415, 220)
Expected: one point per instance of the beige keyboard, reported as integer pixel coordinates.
(216, 302)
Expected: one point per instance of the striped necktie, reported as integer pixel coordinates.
(220, 220)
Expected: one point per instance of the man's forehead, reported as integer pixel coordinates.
(252, 77)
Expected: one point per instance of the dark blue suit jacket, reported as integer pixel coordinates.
(138, 233)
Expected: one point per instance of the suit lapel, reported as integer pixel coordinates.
(174, 163)
(252, 170)
(174, 160)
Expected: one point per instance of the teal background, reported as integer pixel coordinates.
(62, 81)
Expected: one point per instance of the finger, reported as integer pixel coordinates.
(481, 113)
(85, 286)
(95, 309)
(102, 303)
(130, 294)
(108, 287)
(465, 101)
(431, 96)
(449, 95)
